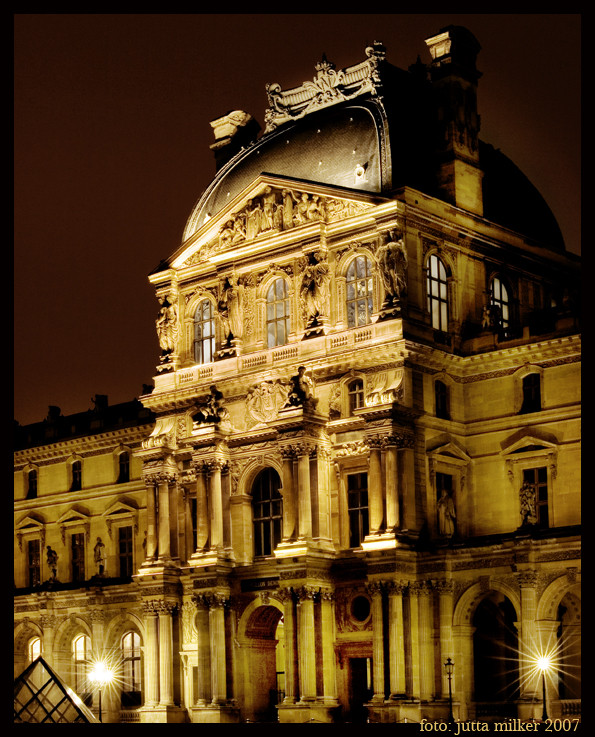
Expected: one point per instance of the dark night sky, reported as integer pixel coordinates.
(112, 140)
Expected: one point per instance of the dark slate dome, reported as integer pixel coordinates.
(376, 128)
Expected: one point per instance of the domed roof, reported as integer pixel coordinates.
(375, 128)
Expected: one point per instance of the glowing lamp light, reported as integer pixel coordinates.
(544, 663)
(102, 675)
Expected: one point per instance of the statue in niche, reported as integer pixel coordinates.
(527, 499)
(313, 293)
(211, 409)
(491, 318)
(446, 514)
(99, 556)
(301, 393)
(52, 559)
(392, 265)
(230, 308)
(167, 326)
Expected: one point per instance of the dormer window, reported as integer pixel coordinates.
(278, 314)
(360, 289)
(204, 332)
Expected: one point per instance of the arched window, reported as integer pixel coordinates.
(34, 649)
(441, 399)
(278, 316)
(123, 467)
(355, 394)
(437, 291)
(81, 657)
(131, 670)
(267, 506)
(204, 332)
(360, 286)
(500, 300)
(531, 393)
(77, 476)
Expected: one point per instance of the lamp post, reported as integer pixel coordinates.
(102, 676)
(449, 665)
(544, 664)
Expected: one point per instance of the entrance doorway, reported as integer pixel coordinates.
(360, 688)
(263, 666)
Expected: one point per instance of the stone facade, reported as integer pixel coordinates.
(363, 457)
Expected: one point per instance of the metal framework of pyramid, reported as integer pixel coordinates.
(42, 697)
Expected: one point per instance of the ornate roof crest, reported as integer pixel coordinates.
(327, 88)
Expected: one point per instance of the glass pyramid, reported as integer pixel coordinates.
(41, 697)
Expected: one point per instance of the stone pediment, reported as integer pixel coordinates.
(451, 451)
(270, 206)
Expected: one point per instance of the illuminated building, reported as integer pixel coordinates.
(361, 452)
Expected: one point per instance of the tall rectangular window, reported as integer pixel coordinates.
(77, 551)
(77, 476)
(357, 508)
(34, 562)
(32, 484)
(125, 551)
(536, 478)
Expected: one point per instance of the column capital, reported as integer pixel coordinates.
(527, 579)
(396, 587)
(375, 587)
(307, 593)
(158, 606)
(444, 585)
(160, 471)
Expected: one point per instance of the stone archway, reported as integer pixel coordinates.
(261, 645)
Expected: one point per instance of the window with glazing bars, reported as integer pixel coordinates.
(437, 292)
(278, 315)
(267, 506)
(360, 287)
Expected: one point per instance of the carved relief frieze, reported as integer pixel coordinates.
(264, 400)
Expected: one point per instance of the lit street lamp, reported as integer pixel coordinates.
(102, 676)
(449, 665)
(544, 664)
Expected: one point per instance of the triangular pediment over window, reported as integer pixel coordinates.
(450, 451)
(271, 206)
(527, 443)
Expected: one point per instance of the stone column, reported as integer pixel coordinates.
(426, 642)
(406, 476)
(528, 642)
(323, 493)
(307, 643)
(164, 520)
(327, 617)
(375, 590)
(202, 509)
(414, 639)
(203, 655)
(166, 672)
(291, 671)
(392, 499)
(396, 639)
(151, 654)
(217, 604)
(151, 551)
(304, 500)
(375, 487)
(289, 501)
(445, 608)
(216, 502)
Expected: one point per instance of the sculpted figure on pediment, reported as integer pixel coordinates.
(210, 409)
(302, 391)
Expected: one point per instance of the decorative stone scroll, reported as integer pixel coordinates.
(384, 387)
(327, 88)
(264, 400)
